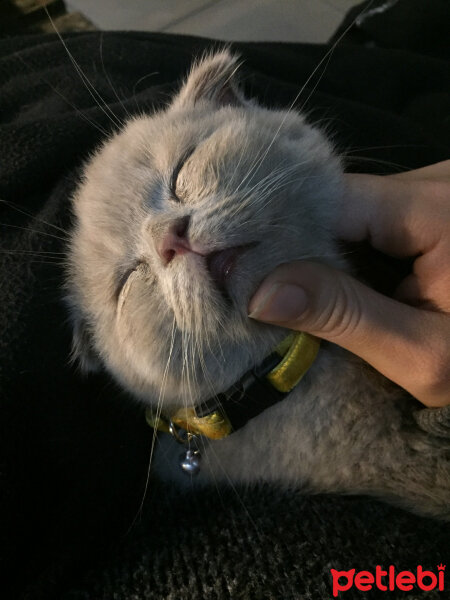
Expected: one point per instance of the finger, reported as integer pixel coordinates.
(429, 285)
(437, 172)
(395, 216)
(408, 345)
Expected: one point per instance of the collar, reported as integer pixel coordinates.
(258, 389)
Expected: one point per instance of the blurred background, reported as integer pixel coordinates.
(250, 20)
(312, 21)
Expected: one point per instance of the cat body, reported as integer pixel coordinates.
(179, 217)
(340, 430)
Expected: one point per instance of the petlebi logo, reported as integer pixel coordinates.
(388, 580)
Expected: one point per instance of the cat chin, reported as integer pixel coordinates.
(198, 367)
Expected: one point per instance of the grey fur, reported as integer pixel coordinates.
(255, 176)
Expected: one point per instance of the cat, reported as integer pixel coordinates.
(178, 218)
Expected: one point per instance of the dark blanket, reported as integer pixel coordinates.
(74, 451)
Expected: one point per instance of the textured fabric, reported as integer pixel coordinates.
(402, 24)
(435, 421)
(265, 544)
(74, 450)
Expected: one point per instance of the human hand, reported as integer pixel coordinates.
(407, 338)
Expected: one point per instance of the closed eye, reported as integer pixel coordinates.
(176, 172)
(124, 278)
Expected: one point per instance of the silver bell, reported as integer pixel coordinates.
(190, 462)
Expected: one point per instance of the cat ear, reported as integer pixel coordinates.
(213, 79)
(83, 352)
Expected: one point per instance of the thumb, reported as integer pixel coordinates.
(400, 341)
(315, 298)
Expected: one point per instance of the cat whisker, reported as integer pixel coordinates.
(24, 212)
(327, 62)
(206, 457)
(108, 78)
(44, 262)
(66, 100)
(192, 363)
(376, 161)
(38, 260)
(187, 391)
(233, 487)
(42, 253)
(198, 331)
(262, 200)
(270, 179)
(323, 255)
(142, 79)
(244, 152)
(324, 123)
(96, 96)
(268, 185)
(384, 147)
(159, 406)
(51, 235)
(273, 178)
(253, 169)
(269, 192)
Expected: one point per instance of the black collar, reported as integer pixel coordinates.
(257, 390)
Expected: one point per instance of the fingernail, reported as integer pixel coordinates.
(282, 302)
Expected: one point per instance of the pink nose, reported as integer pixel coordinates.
(173, 241)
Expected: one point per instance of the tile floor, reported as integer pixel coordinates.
(247, 20)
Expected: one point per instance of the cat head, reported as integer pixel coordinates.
(178, 218)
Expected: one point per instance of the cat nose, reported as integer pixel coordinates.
(173, 240)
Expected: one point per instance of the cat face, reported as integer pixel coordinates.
(179, 217)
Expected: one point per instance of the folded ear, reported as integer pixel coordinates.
(213, 79)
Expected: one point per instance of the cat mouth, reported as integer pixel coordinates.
(221, 264)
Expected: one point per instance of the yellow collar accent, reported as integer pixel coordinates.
(297, 351)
